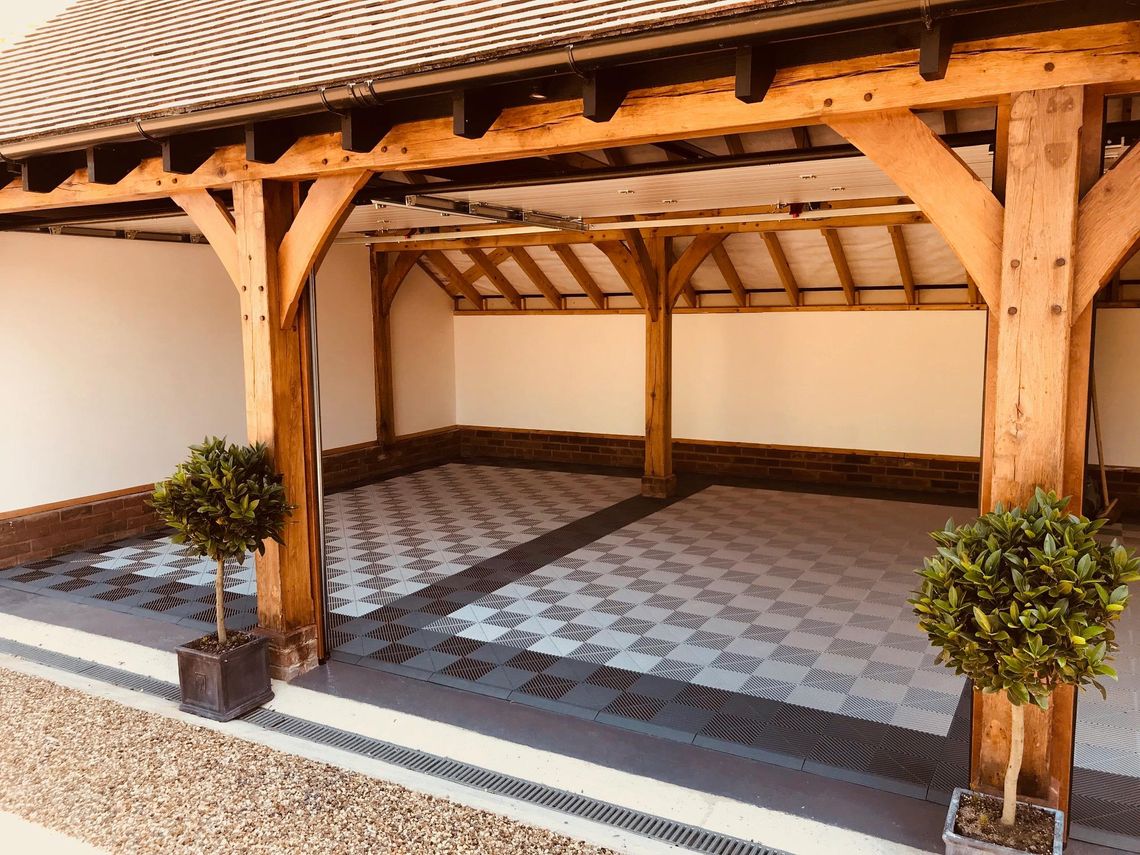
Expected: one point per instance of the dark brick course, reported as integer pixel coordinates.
(47, 533)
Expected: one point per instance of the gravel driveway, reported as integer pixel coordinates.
(132, 781)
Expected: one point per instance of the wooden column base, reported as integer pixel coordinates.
(291, 653)
(654, 487)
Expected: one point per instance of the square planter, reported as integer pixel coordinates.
(222, 686)
(957, 844)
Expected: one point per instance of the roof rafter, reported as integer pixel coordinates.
(906, 273)
(455, 277)
(580, 273)
(842, 268)
(731, 275)
(491, 271)
(535, 274)
(783, 269)
(633, 274)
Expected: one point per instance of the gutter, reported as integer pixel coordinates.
(826, 17)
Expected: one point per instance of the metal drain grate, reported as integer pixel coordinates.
(690, 837)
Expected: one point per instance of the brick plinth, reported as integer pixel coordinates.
(360, 464)
(291, 653)
(47, 532)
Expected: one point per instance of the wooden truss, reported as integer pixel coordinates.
(1037, 249)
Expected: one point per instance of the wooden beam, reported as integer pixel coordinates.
(492, 272)
(808, 94)
(632, 273)
(783, 269)
(455, 277)
(324, 211)
(731, 276)
(801, 138)
(382, 348)
(658, 480)
(472, 238)
(734, 144)
(692, 258)
(276, 374)
(1108, 227)
(537, 277)
(217, 226)
(902, 257)
(971, 289)
(580, 273)
(842, 268)
(960, 206)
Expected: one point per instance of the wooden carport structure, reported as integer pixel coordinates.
(1038, 247)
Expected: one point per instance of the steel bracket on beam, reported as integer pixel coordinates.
(473, 111)
(44, 174)
(754, 73)
(602, 95)
(110, 164)
(934, 48)
(182, 155)
(265, 142)
(362, 129)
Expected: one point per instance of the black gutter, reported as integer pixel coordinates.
(775, 24)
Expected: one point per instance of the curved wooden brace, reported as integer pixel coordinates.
(217, 225)
(632, 273)
(1108, 227)
(324, 211)
(397, 272)
(963, 209)
(692, 258)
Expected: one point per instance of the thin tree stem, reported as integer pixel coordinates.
(1013, 769)
(220, 601)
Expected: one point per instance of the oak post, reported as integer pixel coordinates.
(382, 350)
(275, 372)
(1031, 366)
(659, 482)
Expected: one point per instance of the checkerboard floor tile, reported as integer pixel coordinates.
(791, 597)
(146, 575)
(395, 538)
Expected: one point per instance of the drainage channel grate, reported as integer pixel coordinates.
(690, 837)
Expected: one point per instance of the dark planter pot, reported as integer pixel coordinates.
(222, 686)
(958, 844)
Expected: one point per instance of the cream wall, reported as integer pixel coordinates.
(883, 381)
(344, 336)
(115, 357)
(1118, 385)
(118, 354)
(562, 372)
(423, 356)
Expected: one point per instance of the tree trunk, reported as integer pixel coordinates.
(220, 603)
(1016, 748)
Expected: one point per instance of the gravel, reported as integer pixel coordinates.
(132, 781)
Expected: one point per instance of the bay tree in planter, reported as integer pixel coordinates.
(1022, 601)
(224, 502)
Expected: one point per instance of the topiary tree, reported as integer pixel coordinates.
(1023, 601)
(224, 501)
